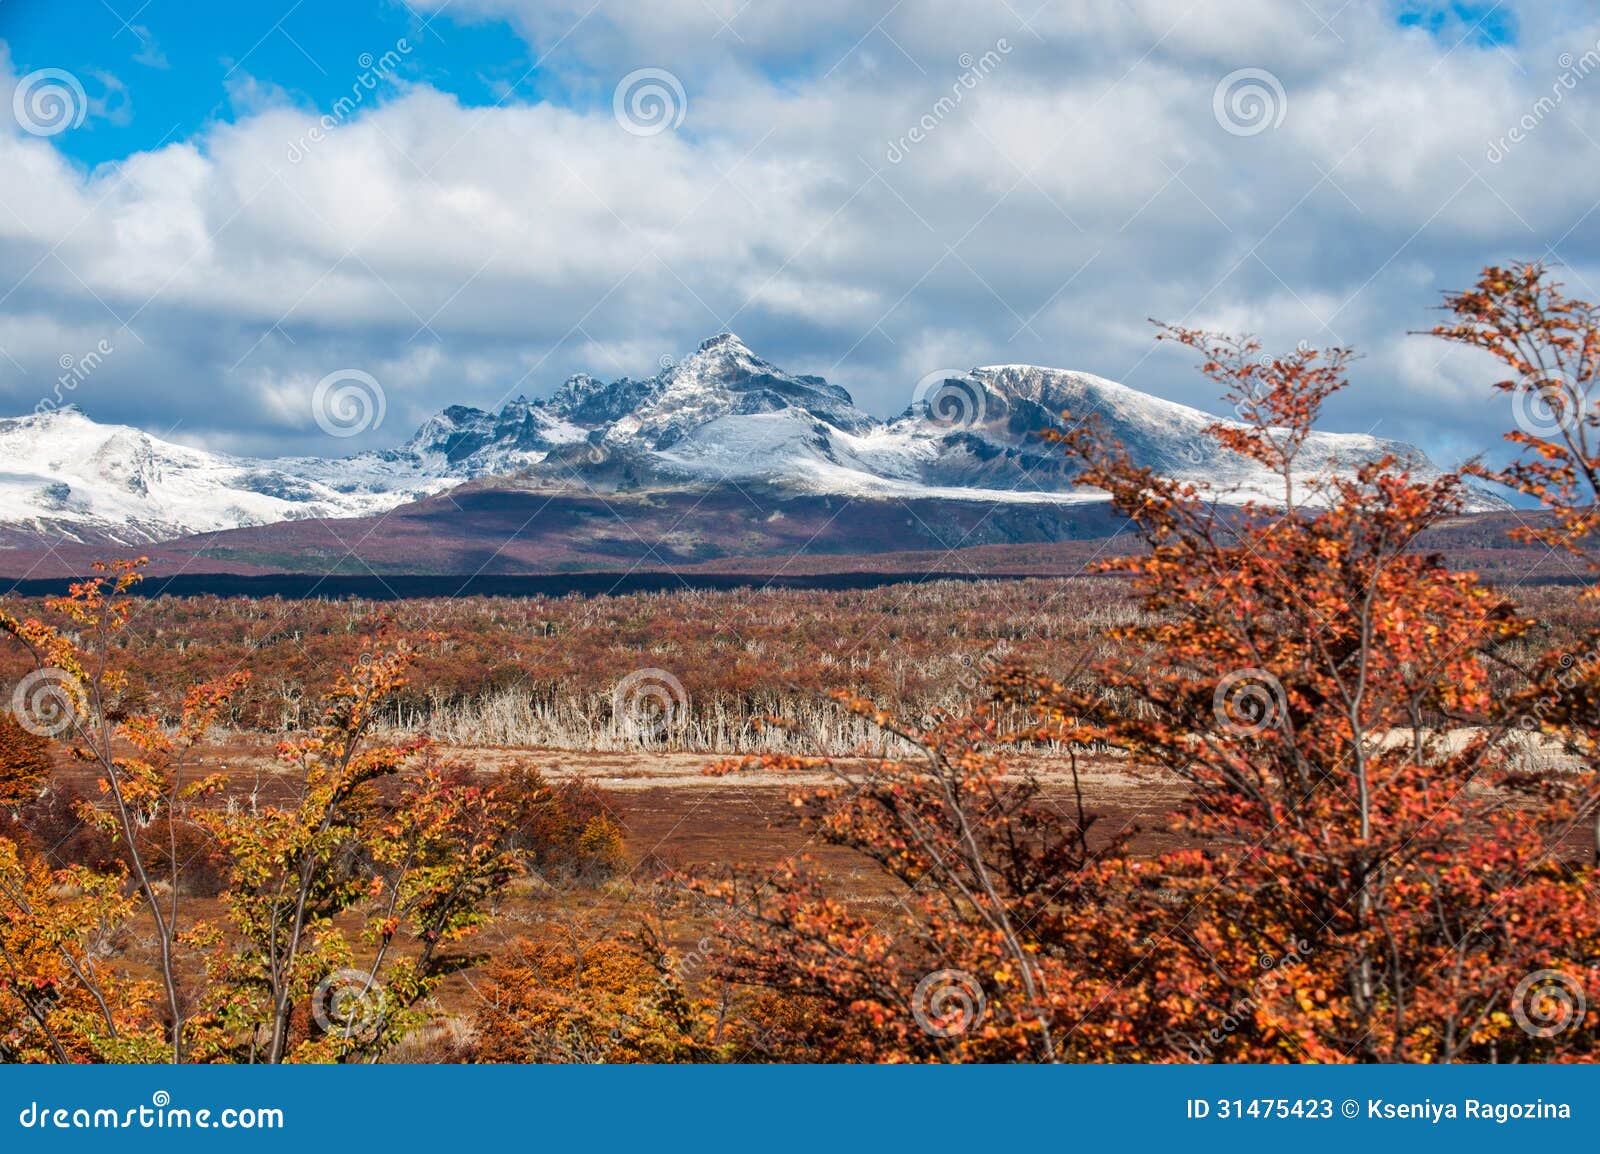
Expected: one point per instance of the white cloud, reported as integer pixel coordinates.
(466, 254)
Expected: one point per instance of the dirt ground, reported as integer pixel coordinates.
(675, 813)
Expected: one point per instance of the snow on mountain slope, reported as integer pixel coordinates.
(984, 428)
(721, 414)
(724, 379)
(466, 442)
(64, 474)
(799, 452)
(725, 414)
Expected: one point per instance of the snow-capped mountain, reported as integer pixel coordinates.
(64, 475)
(721, 414)
(982, 430)
(724, 413)
(463, 442)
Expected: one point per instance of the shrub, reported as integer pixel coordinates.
(24, 763)
(559, 997)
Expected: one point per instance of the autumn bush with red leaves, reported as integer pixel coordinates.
(1374, 873)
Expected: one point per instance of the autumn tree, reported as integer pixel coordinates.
(61, 998)
(416, 871)
(566, 994)
(972, 955)
(74, 692)
(346, 873)
(1369, 881)
(1548, 345)
(1375, 873)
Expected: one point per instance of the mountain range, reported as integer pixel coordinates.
(721, 454)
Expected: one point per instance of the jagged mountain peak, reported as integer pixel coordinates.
(576, 386)
(722, 413)
(591, 403)
(727, 341)
(723, 378)
(721, 360)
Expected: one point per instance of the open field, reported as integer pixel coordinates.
(710, 668)
(555, 671)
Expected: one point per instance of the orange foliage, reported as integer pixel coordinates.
(1376, 878)
(24, 763)
(561, 997)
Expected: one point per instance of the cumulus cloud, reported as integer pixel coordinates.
(862, 193)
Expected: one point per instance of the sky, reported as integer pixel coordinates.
(208, 210)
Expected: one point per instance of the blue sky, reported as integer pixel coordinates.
(1485, 24)
(862, 189)
(166, 68)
